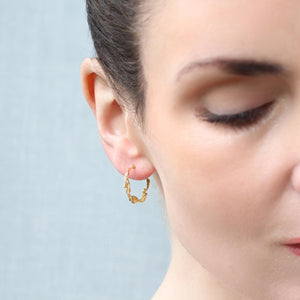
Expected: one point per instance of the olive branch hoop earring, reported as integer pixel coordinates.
(133, 198)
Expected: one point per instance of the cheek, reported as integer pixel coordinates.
(210, 192)
(208, 186)
(216, 196)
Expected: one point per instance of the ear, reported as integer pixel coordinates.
(121, 137)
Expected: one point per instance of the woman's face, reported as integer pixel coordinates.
(231, 184)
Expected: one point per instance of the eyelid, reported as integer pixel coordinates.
(209, 113)
(241, 119)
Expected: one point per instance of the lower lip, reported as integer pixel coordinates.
(295, 249)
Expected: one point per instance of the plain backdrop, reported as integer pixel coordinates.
(67, 230)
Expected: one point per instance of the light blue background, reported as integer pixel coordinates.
(67, 230)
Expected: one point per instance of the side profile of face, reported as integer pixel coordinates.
(231, 184)
(222, 134)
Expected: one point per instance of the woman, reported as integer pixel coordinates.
(205, 95)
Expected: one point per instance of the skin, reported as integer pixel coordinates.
(231, 195)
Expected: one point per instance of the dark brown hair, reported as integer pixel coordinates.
(114, 28)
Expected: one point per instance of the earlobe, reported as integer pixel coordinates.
(118, 135)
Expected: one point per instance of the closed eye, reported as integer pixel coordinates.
(239, 120)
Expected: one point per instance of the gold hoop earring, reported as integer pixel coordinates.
(133, 198)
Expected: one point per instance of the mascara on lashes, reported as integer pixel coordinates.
(239, 120)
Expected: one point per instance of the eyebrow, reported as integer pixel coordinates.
(235, 66)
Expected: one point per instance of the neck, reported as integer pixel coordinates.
(187, 279)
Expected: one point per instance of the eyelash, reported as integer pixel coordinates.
(240, 120)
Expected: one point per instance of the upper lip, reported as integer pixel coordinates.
(293, 241)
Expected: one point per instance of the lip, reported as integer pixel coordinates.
(293, 241)
(294, 249)
(294, 245)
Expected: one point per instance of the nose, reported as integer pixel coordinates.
(296, 178)
(293, 143)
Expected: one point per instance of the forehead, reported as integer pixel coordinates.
(183, 30)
